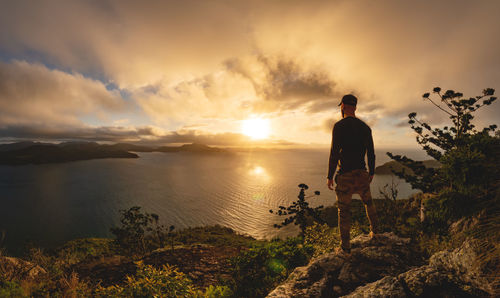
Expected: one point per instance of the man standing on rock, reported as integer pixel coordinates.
(351, 140)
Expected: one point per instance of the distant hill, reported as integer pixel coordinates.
(194, 147)
(16, 146)
(130, 147)
(37, 153)
(385, 169)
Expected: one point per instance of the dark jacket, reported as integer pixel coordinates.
(351, 140)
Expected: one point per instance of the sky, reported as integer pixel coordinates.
(172, 72)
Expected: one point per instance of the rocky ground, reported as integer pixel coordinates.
(388, 267)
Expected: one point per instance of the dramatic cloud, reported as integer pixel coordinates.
(283, 84)
(211, 64)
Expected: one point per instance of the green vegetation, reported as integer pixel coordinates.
(164, 282)
(262, 267)
(140, 232)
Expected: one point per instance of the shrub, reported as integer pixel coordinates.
(11, 289)
(217, 292)
(140, 232)
(152, 282)
(259, 269)
(78, 250)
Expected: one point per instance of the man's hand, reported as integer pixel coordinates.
(329, 183)
(370, 179)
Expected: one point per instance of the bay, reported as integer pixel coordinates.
(49, 204)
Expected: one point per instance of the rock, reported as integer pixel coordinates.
(386, 287)
(385, 267)
(333, 275)
(448, 274)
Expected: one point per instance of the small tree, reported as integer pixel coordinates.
(299, 212)
(139, 232)
(460, 148)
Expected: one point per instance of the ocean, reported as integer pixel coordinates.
(46, 205)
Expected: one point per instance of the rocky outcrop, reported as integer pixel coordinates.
(386, 267)
(333, 275)
(448, 274)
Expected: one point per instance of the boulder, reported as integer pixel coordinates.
(333, 274)
(449, 274)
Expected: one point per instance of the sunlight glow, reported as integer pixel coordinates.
(259, 173)
(256, 128)
(258, 170)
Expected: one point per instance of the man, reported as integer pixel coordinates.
(351, 140)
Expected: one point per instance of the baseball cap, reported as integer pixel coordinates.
(349, 99)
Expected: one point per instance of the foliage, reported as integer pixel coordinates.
(59, 280)
(460, 148)
(11, 289)
(259, 269)
(299, 212)
(140, 232)
(152, 282)
(164, 282)
(78, 250)
(474, 167)
(217, 292)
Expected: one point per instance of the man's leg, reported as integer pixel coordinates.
(366, 196)
(344, 197)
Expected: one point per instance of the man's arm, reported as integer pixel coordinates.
(370, 153)
(334, 153)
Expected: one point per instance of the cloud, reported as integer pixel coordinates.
(32, 94)
(194, 62)
(285, 84)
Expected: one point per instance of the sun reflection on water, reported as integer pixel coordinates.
(260, 173)
(258, 170)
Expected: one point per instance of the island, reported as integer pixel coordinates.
(29, 152)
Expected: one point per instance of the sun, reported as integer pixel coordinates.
(256, 128)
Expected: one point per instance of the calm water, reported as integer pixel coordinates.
(49, 204)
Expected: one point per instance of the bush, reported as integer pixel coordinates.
(165, 282)
(140, 232)
(152, 282)
(11, 289)
(78, 250)
(259, 269)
